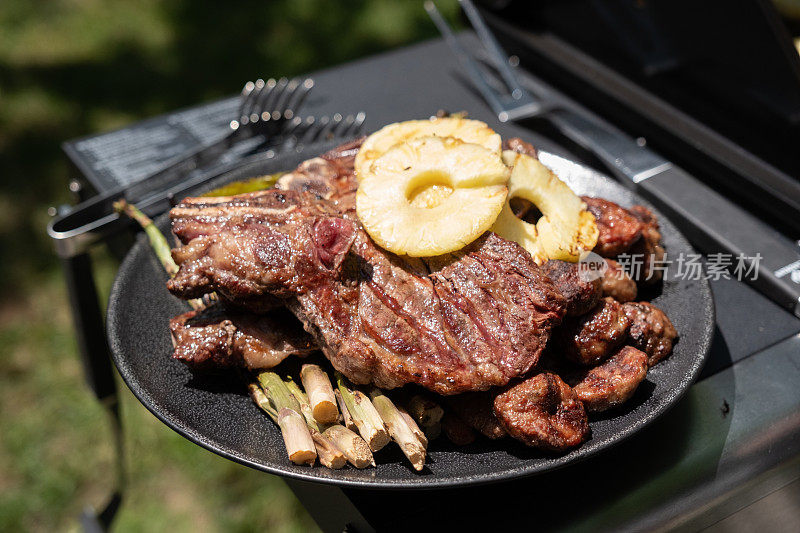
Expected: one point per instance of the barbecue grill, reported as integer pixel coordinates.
(735, 438)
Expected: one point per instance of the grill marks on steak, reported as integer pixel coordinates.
(465, 321)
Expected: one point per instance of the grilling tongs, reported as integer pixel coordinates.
(709, 220)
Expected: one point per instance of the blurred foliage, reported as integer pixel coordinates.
(75, 67)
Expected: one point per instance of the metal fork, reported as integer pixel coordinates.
(267, 103)
(624, 156)
(302, 131)
(311, 129)
(517, 102)
(266, 108)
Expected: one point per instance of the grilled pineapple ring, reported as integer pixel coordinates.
(566, 227)
(431, 195)
(470, 131)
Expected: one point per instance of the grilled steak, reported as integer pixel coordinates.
(617, 284)
(593, 337)
(651, 330)
(582, 294)
(466, 321)
(648, 247)
(543, 412)
(618, 228)
(612, 383)
(222, 338)
(631, 231)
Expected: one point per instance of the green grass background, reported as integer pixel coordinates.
(75, 67)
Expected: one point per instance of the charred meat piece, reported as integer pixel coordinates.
(613, 383)
(582, 294)
(219, 338)
(328, 176)
(618, 228)
(465, 321)
(648, 249)
(646, 217)
(543, 412)
(255, 246)
(592, 338)
(617, 283)
(290, 223)
(475, 408)
(521, 147)
(651, 330)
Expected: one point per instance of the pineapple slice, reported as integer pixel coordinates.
(565, 229)
(470, 131)
(431, 195)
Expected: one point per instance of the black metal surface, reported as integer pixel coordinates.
(88, 324)
(642, 489)
(746, 323)
(702, 461)
(730, 230)
(216, 413)
(755, 179)
(768, 255)
(95, 357)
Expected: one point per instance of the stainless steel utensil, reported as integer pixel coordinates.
(266, 108)
(311, 129)
(726, 229)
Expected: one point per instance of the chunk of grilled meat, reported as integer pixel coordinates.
(651, 330)
(633, 231)
(617, 283)
(619, 229)
(648, 247)
(613, 382)
(593, 337)
(233, 247)
(329, 177)
(475, 408)
(466, 321)
(516, 144)
(582, 294)
(543, 412)
(218, 338)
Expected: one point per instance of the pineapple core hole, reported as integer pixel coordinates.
(525, 210)
(429, 189)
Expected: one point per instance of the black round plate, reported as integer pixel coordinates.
(216, 413)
